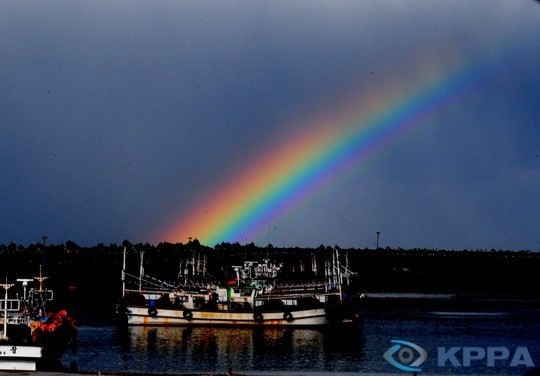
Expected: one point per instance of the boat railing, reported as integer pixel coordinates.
(17, 320)
(147, 291)
(301, 285)
(149, 280)
(13, 305)
(190, 286)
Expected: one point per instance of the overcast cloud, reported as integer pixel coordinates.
(117, 115)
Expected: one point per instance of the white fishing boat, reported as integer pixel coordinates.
(251, 299)
(31, 337)
(19, 358)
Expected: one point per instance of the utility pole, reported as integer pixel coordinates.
(378, 233)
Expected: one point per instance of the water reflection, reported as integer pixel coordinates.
(177, 350)
(211, 349)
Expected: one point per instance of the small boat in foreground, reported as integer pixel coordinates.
(31, 337)
(252, 298)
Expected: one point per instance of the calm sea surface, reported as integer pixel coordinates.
(358, 349)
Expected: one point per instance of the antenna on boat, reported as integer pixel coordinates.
(6, 286)
(40, 279)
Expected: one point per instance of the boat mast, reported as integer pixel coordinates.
(40, 279)
(193, 264)
(141, 271)
(124, 273)
(6, 286)
(338, 275)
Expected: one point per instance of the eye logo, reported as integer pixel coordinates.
(405, 354)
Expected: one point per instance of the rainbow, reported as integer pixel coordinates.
(307, 162)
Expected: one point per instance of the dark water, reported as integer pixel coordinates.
(358, 349)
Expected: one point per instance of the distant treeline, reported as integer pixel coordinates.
(86, 277)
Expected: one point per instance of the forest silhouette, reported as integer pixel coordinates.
(88, 280)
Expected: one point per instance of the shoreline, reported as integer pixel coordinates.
(532, 372)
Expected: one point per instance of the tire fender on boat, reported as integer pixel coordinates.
(187, 314)
(287, 315)
(152, 311)
(257, 316)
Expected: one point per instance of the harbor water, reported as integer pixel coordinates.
(495, 343)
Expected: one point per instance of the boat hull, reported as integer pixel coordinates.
(19, 358)
(163, 316)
